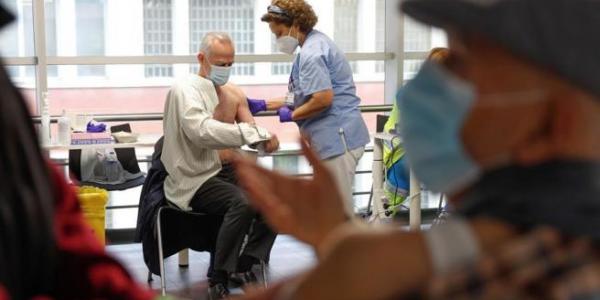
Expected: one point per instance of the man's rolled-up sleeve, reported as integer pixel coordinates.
(200, 127)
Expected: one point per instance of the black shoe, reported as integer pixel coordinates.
(218, 291)
(242, 279)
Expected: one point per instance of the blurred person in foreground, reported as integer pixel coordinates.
(46, 249)
(509, 128)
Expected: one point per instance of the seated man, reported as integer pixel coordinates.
(509, 129)
(195, 147)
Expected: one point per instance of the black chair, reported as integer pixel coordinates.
(186, 226)
(178, 230)
(175, 229)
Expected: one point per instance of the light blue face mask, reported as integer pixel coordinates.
(433, 108)
(219, 75)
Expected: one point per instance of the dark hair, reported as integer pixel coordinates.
(295, 12)
(27, 199)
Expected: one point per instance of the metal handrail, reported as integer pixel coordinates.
(144, 117)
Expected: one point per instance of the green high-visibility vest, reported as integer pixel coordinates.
(392, 151)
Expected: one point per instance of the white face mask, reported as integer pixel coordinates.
(288, 44)
(219, 75)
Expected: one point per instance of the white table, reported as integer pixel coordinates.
(379, 181)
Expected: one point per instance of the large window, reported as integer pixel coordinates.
(94, 38)
(417, 37)
(121, 56)
(9, 38)
(235, 17)
(380, 32)
(158, 34)
(345, 30)
(90, 33)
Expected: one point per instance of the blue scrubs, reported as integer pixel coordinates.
(321, 66)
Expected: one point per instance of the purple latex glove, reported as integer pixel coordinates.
(285, 114)
(94, 126)
(257, 105)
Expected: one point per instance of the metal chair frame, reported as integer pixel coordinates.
(182, 255)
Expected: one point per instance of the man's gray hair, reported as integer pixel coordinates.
(209, 38)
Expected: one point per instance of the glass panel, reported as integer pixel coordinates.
(118, 28)
(235, 17)
(417, 37)
(89, 27)
(16, 40)
(411, 67)
(158, 34)
(284, 69)
(380, 32)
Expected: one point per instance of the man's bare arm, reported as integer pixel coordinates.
(243, 112)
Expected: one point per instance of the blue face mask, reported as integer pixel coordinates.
(433, 107)
(219, 75)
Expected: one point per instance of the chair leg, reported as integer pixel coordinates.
(263, 268)
(184, 258)
(163, 285)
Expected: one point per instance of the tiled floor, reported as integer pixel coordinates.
(287, 258)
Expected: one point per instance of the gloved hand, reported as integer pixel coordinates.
(285, 114)
(256, 105)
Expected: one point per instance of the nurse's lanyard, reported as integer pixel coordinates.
(289, 98)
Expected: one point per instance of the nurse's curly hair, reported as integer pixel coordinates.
(296, 12)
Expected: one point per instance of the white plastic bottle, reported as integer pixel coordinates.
(45, 138)
(64, 130)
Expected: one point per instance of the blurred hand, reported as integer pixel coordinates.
(271, 293)
(272, 145)
(308, 209)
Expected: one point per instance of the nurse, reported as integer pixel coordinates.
(321, 96)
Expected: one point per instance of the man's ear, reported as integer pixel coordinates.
(200, 57)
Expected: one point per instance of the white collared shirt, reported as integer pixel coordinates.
(192, 138)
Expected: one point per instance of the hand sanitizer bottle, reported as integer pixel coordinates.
(45, 118)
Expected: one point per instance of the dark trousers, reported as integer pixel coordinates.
(220, 195)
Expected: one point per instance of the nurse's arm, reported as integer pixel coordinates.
(318, 103)
(275, 103)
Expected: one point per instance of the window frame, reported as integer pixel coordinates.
(393, 55)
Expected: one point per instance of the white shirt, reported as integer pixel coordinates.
(192, 138)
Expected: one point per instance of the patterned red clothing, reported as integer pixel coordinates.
(539, 265)
(85, 271)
